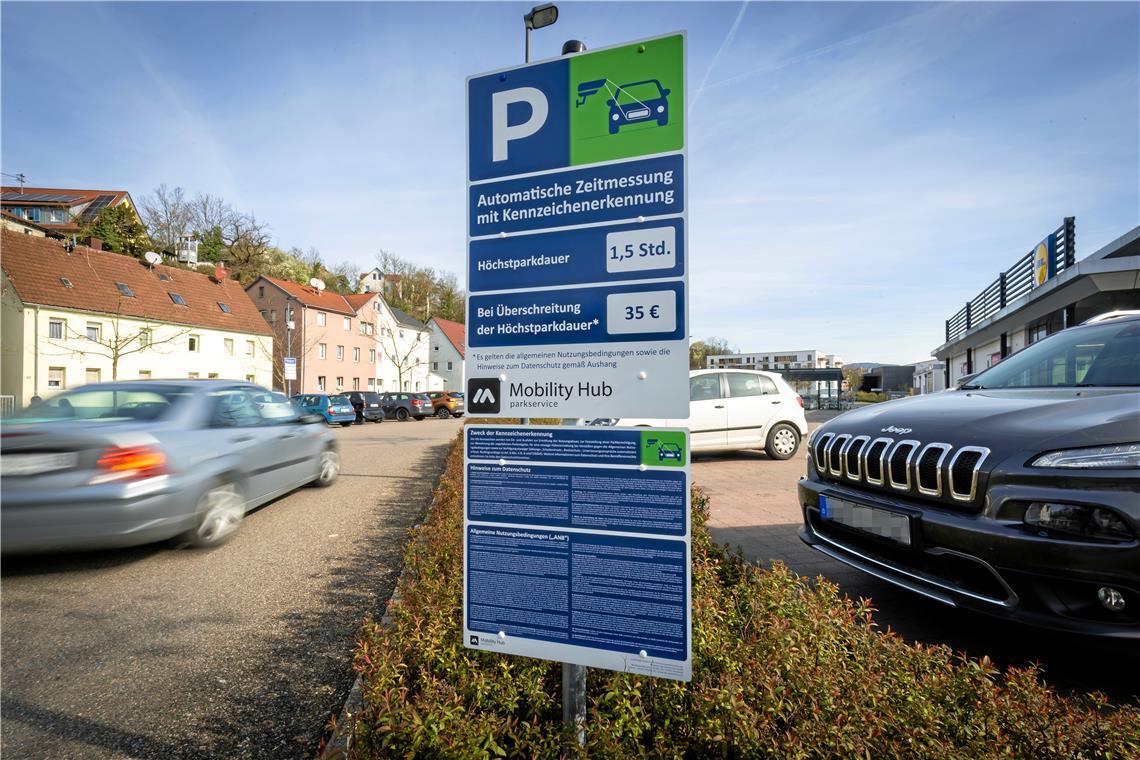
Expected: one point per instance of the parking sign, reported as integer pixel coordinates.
(577, 235)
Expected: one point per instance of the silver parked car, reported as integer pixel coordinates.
(128, 463)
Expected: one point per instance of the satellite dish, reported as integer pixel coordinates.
(317, 283)
(152, 258)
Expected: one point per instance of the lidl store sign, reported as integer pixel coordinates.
(577, 255)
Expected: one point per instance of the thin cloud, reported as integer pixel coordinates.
(716, 57)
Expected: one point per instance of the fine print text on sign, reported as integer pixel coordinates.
(577, 236)
(577, 546)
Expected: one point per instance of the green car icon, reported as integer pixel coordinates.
(669, 451)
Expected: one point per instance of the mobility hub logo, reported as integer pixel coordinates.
(483, 395)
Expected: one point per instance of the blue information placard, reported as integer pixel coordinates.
(576, 545)
(625, 594)
(580, 256)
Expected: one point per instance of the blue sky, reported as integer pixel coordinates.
(857, 170)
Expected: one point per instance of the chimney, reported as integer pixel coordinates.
(220, 272)
(96, 244)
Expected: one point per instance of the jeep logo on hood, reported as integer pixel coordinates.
(898, 430)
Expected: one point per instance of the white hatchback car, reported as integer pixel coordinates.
(731, 409)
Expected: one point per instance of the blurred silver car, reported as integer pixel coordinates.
(128, 463)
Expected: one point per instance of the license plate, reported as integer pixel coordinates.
(34, 464)
(640, 113)
(878, 522)
(373, 406)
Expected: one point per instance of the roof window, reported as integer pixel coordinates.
(125, 289)
(177, 299)
(65, 282)
(164, 277)
(225, 309)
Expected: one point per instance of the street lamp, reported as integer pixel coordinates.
(539, 16)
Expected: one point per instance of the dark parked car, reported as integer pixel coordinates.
(401, 406)
(1016, 494)
(367, 404)
(128, 463)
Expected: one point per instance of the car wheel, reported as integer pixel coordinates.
(402, 415)
(345, 424)
(328, 469)
(442, 413)
(419, 418)
(220, 511)
(783, 441)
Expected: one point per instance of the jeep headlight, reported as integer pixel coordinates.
(1120, 456)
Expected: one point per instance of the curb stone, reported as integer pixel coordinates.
(340, 743)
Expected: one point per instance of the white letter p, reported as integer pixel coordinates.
(501, 133)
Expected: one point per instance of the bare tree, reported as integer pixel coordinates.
(168, 215)
(208, 212)
(405, 358)
(248, 243)
(118, 342)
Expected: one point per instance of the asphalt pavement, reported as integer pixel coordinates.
(240, 652)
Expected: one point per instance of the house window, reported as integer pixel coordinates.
(192, 375)
(228, 344)
(371, 383)
(165, 277)
(144, 374)
(348, 323)
(224, 307)
(356, 383)
(193, 342)
(339, 383)
(372, 356)
(125, 289)
(32, 214)
(321, 318)
(434, 366)
(273, 315)
(178, 300)
(261, 291)
(249, 378)
(322, 350)
(356, 355)
(320, 382)
(212, 376)
(249, 348)
(65, 282)
(94, 330)
(144, 338)
(56, 328)
(264, 314)
(435, 348)
(57, 377)
(401, 333)
(449, 365)
(340, 353)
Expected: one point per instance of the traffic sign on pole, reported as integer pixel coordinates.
(577, 236)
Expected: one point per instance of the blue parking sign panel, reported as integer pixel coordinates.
(576, 197)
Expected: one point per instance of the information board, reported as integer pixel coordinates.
(577, 237)
(576, 546)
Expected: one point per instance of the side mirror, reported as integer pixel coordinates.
(310, 419)
(964, 379)
(664, 93)
(610, 102)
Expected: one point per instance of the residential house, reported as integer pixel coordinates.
(62, 211)
(405, 344)
(332, 338)
(71, 316)
(447, 349)
(19, 224)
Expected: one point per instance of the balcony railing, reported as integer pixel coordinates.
(1013, 283)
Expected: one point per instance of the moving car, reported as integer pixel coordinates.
(638, 102)
(366, 404)
(1016, 494)
(737, 409)
(336, 409)
(401, 406)
(128, 463)
(446, 404)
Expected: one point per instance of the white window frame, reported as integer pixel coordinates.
(62, 324)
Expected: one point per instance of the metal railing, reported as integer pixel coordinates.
(1013, 283)
(7, 405)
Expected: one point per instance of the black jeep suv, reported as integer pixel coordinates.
(1016, 494)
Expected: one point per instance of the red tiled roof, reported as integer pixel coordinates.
(34, 266)
(455, 332)
(84, 196)
(359, 300)
(325, 300)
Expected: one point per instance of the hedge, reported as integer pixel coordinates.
(782, 667)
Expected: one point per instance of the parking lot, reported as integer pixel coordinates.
(754, 506)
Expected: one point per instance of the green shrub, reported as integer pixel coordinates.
(781, 668)
(871, 397)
